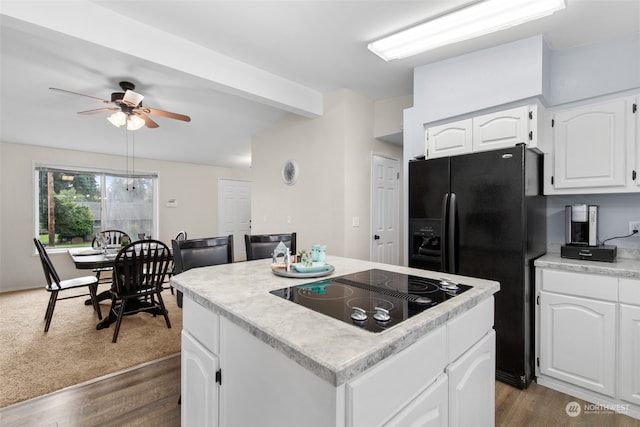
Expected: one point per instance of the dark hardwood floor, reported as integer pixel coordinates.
(148, 396)
(143, 396)
(539, 406)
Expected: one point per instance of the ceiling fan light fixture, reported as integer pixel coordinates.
(131, 98)
(134, 122)
(479, 19)
(118, 118)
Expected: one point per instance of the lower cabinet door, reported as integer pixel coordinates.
(472, 385)
(578, 341)
(429, 409)
(199, 400)
(629, 370)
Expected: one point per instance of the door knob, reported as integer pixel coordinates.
(376, 237)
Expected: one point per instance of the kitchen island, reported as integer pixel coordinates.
(252, 358)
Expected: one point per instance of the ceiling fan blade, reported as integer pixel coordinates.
(147, 120)
(81, 94)
(99, 110)
(167, 114)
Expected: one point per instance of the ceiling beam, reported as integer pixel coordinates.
(90, 22)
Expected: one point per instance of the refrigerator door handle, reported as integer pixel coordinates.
(451, 234)
(444, 233)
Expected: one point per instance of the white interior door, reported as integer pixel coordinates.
(234, 213)
(385, 210)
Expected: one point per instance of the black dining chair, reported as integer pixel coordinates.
(140, 269)
(110, 237)
(188, 254)
(55, 285)
(260, 246)
(182, 235)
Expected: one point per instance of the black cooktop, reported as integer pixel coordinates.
(373, 300)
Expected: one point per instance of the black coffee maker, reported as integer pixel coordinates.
(581, 225)
(581, 235)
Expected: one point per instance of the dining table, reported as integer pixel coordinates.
(86, 258)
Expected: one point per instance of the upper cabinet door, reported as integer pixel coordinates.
(590, 145)
(501, 129)
(450, 139)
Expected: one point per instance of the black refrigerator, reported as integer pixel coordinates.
(484, 215)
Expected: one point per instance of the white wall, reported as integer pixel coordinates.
(615, 212)
(481, 79)
(594, 70)
(193, 186)
(334, 156)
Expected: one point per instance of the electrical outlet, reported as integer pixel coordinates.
(634, 227)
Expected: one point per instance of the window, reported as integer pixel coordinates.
(74, 204)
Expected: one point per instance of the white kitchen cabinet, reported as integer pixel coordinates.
(429, 409)
(199, 366)
(588, 336)
(490, 131)
(578, 341)
(635, 174)
(594, 149)
(629, 338)
(471, 385)
(378, 393)
(504, 128)
(199, 401)
(450, 139)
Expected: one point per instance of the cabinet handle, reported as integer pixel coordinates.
(633, 175)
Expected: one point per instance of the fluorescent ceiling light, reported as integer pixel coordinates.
(463, 24)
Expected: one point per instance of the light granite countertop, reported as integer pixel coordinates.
(332, 349)
(621, 267)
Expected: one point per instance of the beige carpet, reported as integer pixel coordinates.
(33, 363)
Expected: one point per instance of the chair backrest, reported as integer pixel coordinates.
(182, 235)
(141, 266)
(111, 237)
(260, 246)
(188, 254)
(53, 280)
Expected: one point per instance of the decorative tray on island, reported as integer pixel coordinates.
(300, 271)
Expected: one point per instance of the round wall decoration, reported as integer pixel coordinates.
(290, 172)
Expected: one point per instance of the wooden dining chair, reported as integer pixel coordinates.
(139, 272)
(55, 285)
(260, 246)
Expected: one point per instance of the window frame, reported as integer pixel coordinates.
(39, 166)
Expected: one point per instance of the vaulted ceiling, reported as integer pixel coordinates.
(235, 67)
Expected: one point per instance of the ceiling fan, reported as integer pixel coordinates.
(128, 109)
